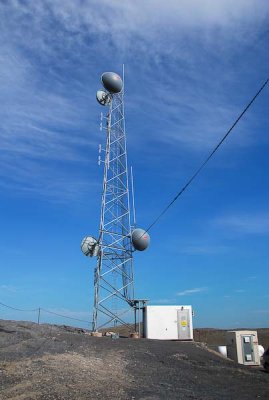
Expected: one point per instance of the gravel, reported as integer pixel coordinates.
(43, 362)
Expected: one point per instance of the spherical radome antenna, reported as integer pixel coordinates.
(140, 239)
(112, 82)
(103, 98)
(89, 246)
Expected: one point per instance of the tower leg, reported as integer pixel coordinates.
(96, 296)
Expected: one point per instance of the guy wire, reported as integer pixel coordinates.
(208, 158)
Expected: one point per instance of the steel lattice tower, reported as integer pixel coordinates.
(114, 281)
(113, 274)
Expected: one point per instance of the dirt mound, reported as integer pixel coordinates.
(43, 362)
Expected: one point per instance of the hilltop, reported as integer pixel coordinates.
(43, 362)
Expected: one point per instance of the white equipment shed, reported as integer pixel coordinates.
(168, 322)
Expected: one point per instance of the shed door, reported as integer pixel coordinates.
(183, 323)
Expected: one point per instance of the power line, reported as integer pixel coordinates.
(44, 310)
(208, 158)
(17, 309)
(64, 316)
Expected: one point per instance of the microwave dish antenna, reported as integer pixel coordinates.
(140, 239)
(103, 98)
(89, 246)
(112, 82)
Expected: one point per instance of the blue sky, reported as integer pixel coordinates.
(191, 67)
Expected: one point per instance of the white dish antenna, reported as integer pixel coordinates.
(89, 246)
(103, 98)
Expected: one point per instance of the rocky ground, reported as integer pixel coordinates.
(43, 362)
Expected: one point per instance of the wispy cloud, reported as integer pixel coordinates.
(162, 301)
(8, 288)
(251, 278)
(52, 53)
(45, 126)
(42, 144)
(261, 311)
(245, 223)
(192, 291)
(203, 249)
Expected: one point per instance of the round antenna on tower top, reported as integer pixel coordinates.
(103, 98)
(112, 82)
(140, 239)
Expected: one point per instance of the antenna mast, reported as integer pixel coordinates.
(113, 275)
